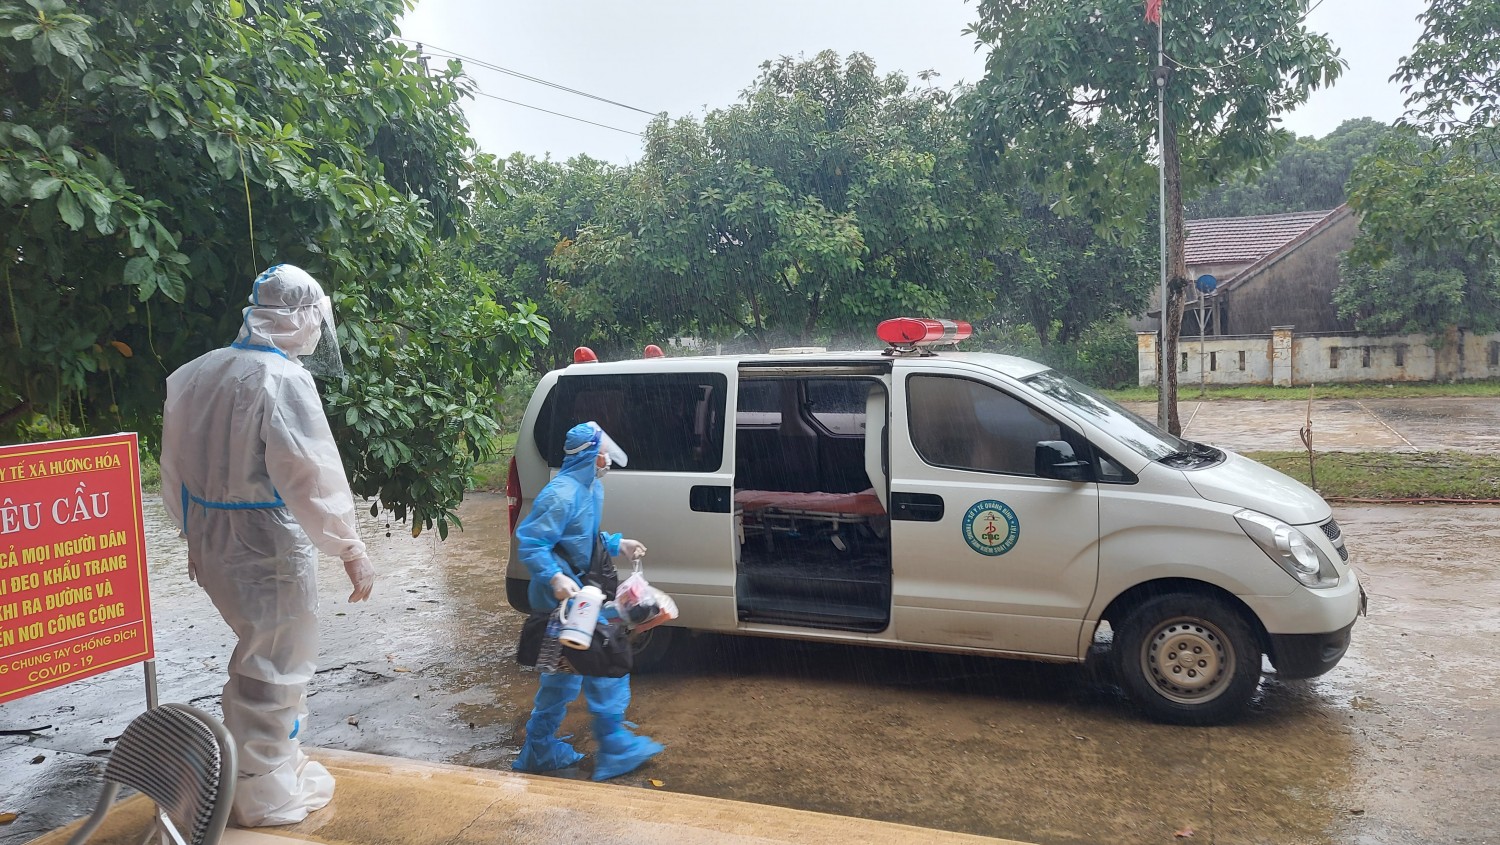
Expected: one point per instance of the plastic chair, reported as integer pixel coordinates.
(184, 760)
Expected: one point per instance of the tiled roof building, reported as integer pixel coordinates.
(1272, 270)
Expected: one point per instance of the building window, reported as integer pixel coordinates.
(1184, 362)
(1495, 353)
(1213, 361)
(1401, 355)
(1242, 360)
(1365, 357)
(1333, 357)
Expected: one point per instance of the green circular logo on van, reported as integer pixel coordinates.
(991, 527)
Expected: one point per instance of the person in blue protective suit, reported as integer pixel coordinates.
(555, 542)
(251, 474)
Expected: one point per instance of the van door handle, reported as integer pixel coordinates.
(709, 498)
(917, 507)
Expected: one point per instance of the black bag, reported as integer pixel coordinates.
(602, 572)
(533, 630)
(609, 655)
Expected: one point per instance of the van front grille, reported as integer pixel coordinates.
(1331, 530)
(1335, 536)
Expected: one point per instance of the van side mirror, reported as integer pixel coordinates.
(1056, 459)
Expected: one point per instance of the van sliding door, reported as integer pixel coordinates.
(675, 494)
(809, 497)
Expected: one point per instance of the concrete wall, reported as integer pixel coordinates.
(1297, 289)
(1287, 358)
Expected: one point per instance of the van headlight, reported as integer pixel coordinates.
(1290, 548)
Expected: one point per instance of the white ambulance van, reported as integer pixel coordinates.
(925, 498)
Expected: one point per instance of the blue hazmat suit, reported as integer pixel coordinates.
(557, 534)
(251, 474)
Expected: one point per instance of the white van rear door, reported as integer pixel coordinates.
(985, 554)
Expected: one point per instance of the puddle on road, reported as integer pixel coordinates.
(1393, 746)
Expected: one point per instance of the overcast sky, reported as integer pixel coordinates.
(685, 57)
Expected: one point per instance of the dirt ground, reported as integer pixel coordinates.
(1400, 743)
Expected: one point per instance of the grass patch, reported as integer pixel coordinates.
(1361, 390)
(150, 473)
(1394, 475)
(490, 475)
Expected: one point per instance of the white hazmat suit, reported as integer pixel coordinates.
(252, 476)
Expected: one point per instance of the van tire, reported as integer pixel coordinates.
(1187, 659)
(649, 650)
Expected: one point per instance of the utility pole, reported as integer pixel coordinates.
(1162, 400)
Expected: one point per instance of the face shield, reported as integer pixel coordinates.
(576, 443)
(290, 314)
(323, 360)
(609, 448)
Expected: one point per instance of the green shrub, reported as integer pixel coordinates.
(1104, 357)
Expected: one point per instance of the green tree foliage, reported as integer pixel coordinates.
(828, 198)
(1309, 175)
(1429, 198)
(1410, 294)
(1064, 78)
(156, 154)
(1452, 77)
(1063, 279)
(546, 205)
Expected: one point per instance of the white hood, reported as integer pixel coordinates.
(1243, 482)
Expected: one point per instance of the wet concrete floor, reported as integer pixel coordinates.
(1399, 744)
(1398, 425)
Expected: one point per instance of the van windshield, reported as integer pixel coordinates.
(1121, 424)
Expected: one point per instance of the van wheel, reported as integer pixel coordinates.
(1187, 659)
(649, 649)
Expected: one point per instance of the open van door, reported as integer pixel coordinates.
(810, 498)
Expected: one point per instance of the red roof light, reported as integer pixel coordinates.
(654, 351)
(920, 331)
(584, 355)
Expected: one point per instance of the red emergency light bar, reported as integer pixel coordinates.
(584, 355)
(920, 331)
(654, 351)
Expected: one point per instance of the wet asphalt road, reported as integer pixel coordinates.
(1400, 744)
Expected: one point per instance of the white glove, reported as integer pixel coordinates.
(362, 575)
(632, 549)
(563, 587)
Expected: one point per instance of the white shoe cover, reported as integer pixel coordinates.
(284, 796)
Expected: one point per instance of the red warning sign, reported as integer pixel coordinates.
(73, 589)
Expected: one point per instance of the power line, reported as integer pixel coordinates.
(558, 113)
(442, 52)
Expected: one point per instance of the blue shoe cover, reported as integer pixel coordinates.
(545, 755)
(621, 751)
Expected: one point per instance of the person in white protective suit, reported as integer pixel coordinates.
(252, 476)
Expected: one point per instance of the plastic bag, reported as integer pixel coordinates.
(641, 605)
(666, 610)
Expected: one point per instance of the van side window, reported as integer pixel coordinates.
(665, 422)
(963, 424)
